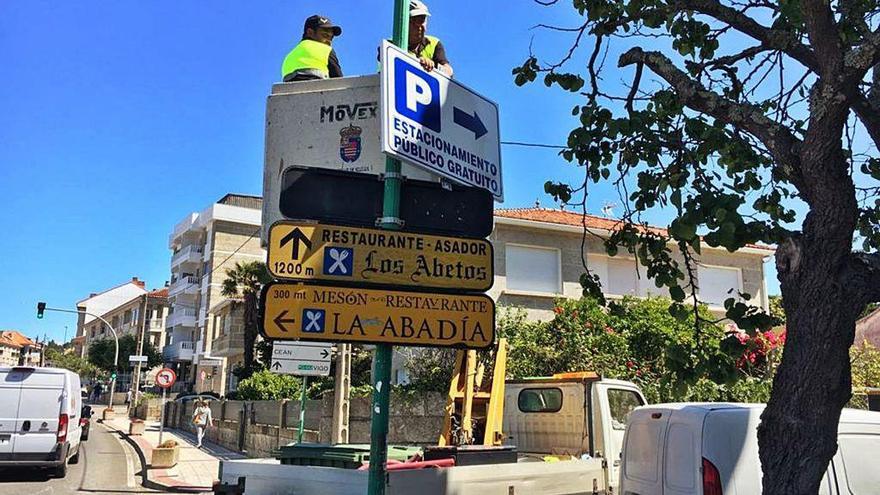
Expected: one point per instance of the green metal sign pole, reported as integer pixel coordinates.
(302, 410)
(382, 361)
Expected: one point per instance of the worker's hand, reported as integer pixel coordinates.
(427, 63)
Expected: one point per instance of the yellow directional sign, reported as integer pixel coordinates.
(302, 251)
(341, 314)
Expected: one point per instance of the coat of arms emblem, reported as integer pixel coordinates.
(350, 143)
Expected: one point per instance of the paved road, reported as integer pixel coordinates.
(107, 466)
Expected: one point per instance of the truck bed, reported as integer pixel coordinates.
(270, 477)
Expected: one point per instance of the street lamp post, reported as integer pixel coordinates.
(42, 307)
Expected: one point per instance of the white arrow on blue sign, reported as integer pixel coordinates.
(439, 124)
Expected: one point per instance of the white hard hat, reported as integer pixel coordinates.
(417, 8)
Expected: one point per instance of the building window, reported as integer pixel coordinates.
(114, 322)
(126, 317)
(623, 279)
(532, 269)
(717, 284)
(622, 276)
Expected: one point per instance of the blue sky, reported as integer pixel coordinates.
(119, 118)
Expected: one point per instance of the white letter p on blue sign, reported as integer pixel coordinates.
(417, 92)
(417, 95)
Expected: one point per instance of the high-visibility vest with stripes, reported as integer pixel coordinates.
(307, 55)
(430, 48)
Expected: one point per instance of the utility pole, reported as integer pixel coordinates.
(136, 379)
(341, 394)
(382, 361)
(41, 307)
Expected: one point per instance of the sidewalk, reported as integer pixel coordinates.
(196, 470)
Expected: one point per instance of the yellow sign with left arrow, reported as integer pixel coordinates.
(303, 251)
(343, 314)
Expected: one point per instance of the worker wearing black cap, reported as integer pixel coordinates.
(313, 57)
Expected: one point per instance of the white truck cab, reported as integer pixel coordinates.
(575, 414)
(39, 417)
(712, 449)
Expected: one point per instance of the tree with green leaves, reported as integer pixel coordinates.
(755, 122)
(101, 352)
(70, 361)
(245, 282)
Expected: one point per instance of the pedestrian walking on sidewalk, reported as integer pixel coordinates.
(201, 419)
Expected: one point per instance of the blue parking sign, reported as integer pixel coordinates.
(439, 124)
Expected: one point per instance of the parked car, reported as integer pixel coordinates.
(39, 418)
(712, 449)
(85, 422)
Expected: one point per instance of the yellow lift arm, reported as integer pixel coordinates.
(474, 409)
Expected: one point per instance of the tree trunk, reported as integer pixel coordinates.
(250, 332)
(813, 382)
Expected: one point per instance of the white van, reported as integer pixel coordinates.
(39, 418)
(712, 449)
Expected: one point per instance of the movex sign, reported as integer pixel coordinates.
(339, 314)
(302, 251)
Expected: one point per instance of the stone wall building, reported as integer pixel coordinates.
(539, 258)
(205, 245)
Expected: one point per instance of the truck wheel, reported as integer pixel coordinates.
(61, 471)
(75, 458)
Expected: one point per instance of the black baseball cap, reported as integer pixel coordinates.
(319, 21)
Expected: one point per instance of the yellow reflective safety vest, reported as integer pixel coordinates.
(429, 49)
(308, 56)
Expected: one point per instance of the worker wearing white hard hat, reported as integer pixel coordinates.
(429, 49)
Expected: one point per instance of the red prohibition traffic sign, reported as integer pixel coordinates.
(166, 377)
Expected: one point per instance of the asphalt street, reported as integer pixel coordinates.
(107, 466)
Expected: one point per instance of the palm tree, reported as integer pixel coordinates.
(245, 281)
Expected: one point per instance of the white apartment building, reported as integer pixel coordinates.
(88, 326)
(204, 246)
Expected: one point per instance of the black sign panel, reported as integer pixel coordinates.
(350, 198)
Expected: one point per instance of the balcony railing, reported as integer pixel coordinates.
(189, 254)
(181, 316)
(178, 351)
(187, 284)
(228, 344)
(155, 324)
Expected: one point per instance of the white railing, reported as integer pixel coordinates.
(178, 351)
(188, 283)
(194, 252)
(181, 316)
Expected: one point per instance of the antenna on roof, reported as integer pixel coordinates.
(608, 209)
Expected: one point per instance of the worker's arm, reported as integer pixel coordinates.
(333, 65)
(440, 61)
